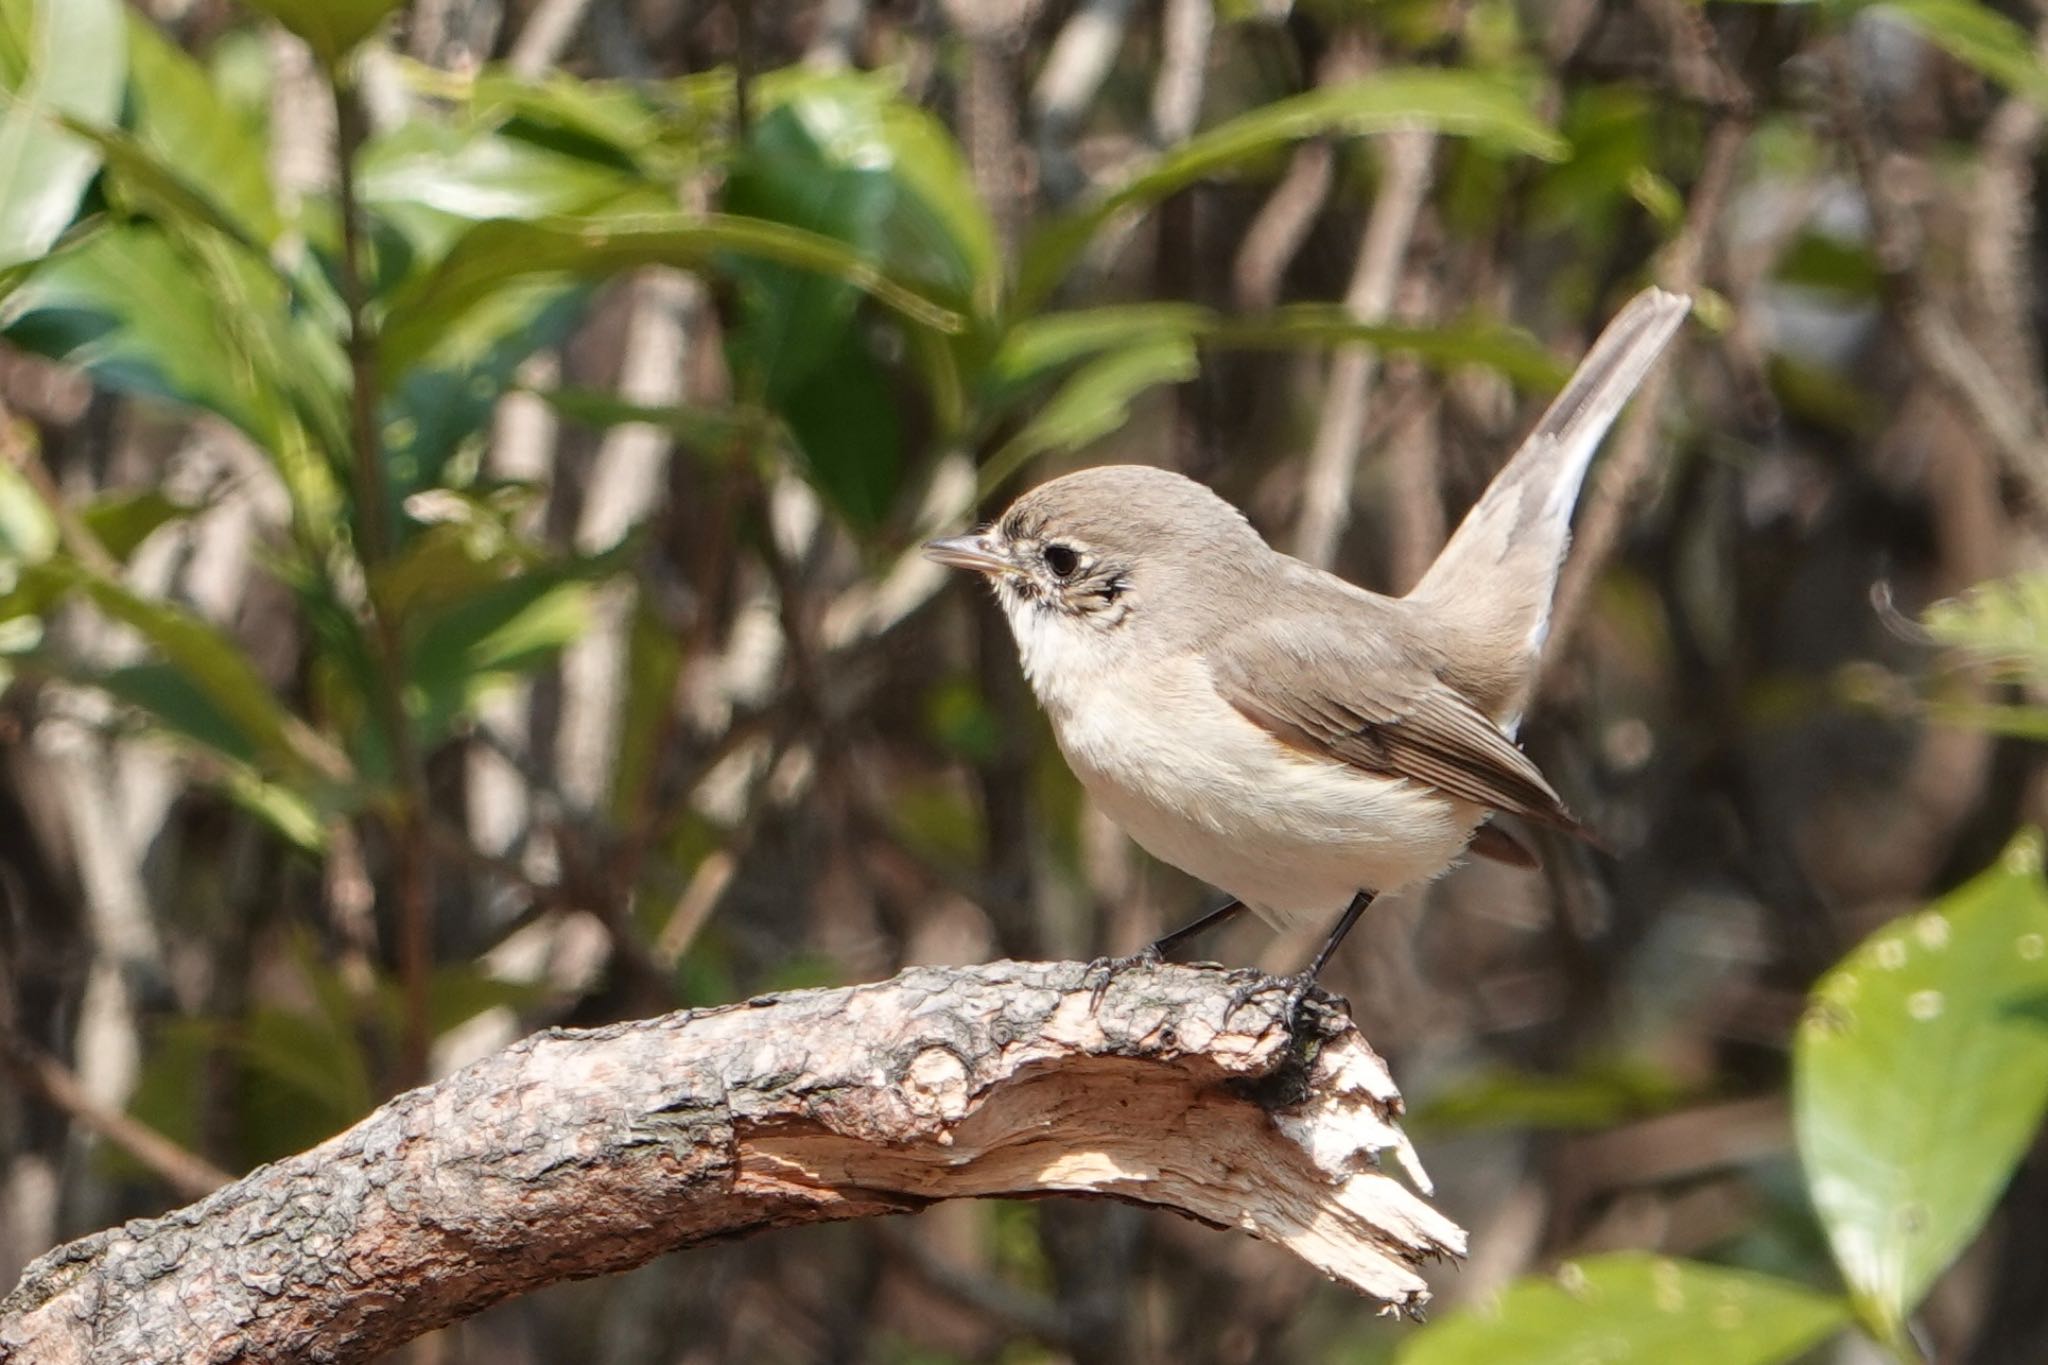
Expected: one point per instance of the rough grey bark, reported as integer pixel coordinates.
(576, 1153)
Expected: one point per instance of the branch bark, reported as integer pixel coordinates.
(576, 1153)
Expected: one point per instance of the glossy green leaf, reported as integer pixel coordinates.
(57, 57)
(123, 306)
(208, 327)
(1920, 1074)
(1094, 401)
(176, 703)
(443, 405)
(827, 160)
(457, 652)
(794, 323)
(434, 180)
(593, 117)
(122, 521)
(332, 28)
(843, 155)
(193, 136)
(1497, 346)
(1630, 1307)
(1470, 104)
(488, 256)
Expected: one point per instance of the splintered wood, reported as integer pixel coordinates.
(577, 1153)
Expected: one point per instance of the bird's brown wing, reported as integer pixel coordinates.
(1365, 706)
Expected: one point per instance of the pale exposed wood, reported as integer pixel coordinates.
(579, 1153)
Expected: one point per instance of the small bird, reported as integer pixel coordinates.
(1292, 739)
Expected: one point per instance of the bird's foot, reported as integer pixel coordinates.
(1108, 969)
(1299, 988)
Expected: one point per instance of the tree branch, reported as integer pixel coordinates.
(576, 1153)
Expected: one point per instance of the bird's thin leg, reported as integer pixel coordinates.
(1344, 923)
(1222, 914)
(1156, 952)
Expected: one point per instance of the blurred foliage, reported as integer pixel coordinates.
(889, 330)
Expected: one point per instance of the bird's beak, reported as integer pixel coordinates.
(967, 552)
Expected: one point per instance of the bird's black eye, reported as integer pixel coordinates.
(1062, 560)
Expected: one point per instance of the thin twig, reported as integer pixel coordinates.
(413, 867)
(190, 1174)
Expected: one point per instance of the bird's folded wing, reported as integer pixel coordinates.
(1343, 704)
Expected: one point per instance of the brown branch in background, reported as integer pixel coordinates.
(836, 39)
(988, 108)
(1284, 221)
(1282, 225)
(1414, 443)
(186, 1172)
(633, 1140)
(1077, 61)
(1936, 340)
(1632, 454)
(412, 866)
(1408, 156)
(1185, 30)
(547, 33)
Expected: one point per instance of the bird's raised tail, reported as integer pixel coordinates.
(1491, 587)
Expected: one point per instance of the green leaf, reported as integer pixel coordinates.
(123, 306)
(1630, 1307)
(193, 137)
(848, 436)
(435, 180)
(1036, 347)
(59, 57)
(455, 653)
(844, 156)
(28, 531)
(1818, 260)
(1460, 103)
(208, 327)
(1042, 345)
(1595, 1095)
(179, 705)
(1093, 402)
(208, 664)
(1920, 1073)
(122, 521)
(2001, 625)
(718, 433)
(331, 28)
(1497, 346)
(491, 254)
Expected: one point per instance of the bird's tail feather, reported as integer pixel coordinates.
(1502, 562)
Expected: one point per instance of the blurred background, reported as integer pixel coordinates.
(464, 463)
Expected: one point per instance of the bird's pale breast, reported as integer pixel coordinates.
(1200, 787)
